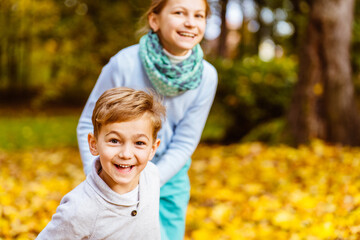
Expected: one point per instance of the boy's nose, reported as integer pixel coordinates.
(125, 152)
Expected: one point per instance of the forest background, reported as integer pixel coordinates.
(275, 135)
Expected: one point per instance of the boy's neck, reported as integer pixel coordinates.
(120, 189)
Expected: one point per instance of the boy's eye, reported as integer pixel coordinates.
(114, 141)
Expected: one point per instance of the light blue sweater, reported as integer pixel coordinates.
(185, 117)
(93, 211)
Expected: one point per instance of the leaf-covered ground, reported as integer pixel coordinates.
(247, 191)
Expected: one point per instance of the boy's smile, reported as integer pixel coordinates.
(124, 149)
(124, 168)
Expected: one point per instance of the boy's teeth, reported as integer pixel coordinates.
(124, 166)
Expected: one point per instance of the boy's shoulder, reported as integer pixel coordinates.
(152, 166)
(81, 202)
(75, 216)
(151, 174)
(151, 169)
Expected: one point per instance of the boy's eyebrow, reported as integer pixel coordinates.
(141, 135)
(136, 135)
(115, 132)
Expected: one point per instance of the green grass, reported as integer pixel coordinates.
(40, 131)
(25, 130)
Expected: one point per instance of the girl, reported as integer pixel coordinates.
(168, 59)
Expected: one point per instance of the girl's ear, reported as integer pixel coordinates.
(92, 144)
(153, 19)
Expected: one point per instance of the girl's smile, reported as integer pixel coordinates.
(180, 25)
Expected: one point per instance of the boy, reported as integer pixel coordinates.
(120, 197)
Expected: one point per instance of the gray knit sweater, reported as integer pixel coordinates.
(93, 211)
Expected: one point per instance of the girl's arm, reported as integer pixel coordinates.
(188, 132)
(108, 78)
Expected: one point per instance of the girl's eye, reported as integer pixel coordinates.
(199, 16)
(179, 13)
(114, 141)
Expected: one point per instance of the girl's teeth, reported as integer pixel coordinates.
(187, 34)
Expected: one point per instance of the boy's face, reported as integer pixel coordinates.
(124, 149)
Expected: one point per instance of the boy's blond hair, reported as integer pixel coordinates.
(122, 104)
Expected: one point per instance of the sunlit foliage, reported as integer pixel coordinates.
(252, 191)
(243, 191)
(32, 185)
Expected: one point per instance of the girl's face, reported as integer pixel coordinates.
(180, 25)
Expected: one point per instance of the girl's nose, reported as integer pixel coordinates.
(190, 22)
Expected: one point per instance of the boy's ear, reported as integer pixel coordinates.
(154, 147)
(153, 21)
(92, 144)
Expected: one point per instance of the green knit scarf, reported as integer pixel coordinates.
(167, 79)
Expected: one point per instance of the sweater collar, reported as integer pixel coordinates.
(107, 193)
(176, 59)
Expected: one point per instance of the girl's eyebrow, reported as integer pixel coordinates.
(183, 8)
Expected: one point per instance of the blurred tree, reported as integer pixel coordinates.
(355, 48)
(323, 104)
(18, 37)
(52, 51)
(224, 31)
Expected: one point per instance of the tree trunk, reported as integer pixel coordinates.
(323, 104)
(224, 31)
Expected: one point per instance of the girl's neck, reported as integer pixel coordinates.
(176, 59)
